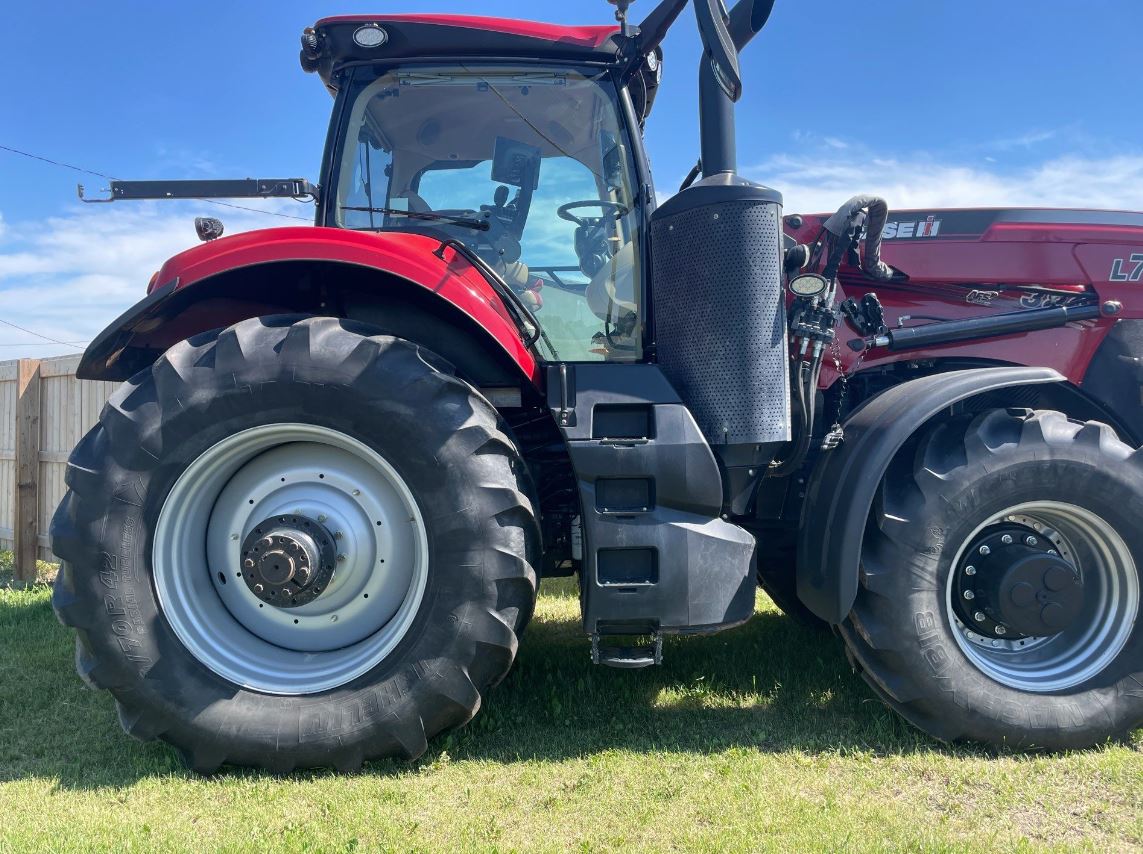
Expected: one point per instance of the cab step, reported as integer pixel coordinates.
(628, 657)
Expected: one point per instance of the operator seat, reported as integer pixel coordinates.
(611, 292)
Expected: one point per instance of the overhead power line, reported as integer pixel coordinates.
(80, 169)
(47, 338)
(46, 344)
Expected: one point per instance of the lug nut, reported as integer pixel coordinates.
(266, 543)
(341, 558)
(970, 570)
(985, 550)
(978, 616)
(1030, 540)
(338, 535)
(321, 517)
(248, 564)
(258, 588)
(1006, 539)
(1001, 630)
(968, 594)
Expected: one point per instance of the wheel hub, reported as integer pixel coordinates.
(1013, 584)
(288, 561)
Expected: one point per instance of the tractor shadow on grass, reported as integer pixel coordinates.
(770, 686)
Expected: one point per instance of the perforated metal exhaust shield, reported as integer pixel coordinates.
(719, 311)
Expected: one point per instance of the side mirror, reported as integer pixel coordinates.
(719, 46)
(611, 157)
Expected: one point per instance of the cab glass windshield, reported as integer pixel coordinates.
(531, 168)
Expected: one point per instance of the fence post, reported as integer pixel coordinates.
(27, 509)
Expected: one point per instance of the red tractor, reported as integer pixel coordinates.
(309, 527)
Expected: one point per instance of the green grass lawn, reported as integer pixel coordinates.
(758, 738)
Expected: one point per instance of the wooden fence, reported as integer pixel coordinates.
(44, 411)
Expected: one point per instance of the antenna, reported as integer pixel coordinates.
(621, 7)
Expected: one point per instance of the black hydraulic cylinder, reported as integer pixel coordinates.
(991, 326)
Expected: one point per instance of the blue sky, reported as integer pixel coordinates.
(928, 102)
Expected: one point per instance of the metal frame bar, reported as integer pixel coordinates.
(245, 188)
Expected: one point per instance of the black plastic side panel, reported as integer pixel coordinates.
(670, 565)
(845, 481)
(1115, 376)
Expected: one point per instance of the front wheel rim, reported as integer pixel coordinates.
(283, 471)
(1087, 647)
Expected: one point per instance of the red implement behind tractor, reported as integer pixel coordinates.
(308, 529)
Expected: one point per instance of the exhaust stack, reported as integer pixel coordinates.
(720, 84)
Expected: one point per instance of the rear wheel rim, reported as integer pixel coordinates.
(1111, 603)
(290, 471)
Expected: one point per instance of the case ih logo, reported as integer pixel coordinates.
(928, 227)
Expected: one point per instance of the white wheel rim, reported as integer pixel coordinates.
(283, 469)
(1096, 638)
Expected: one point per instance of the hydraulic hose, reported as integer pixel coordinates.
(806, 390)
(870, 211)
(784, 468)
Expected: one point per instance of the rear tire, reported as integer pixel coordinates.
(193, 655)
(932, 641)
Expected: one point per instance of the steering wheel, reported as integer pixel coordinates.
(616, 210)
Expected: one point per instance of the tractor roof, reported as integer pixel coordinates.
(441, 36)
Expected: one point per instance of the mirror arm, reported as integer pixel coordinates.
(657, 24)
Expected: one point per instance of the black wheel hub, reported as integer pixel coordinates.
(1013, 584)
(287, 561)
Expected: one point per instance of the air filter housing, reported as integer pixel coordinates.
(719, 310)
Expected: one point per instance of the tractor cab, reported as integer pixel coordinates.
(523, 144)
(530, 167)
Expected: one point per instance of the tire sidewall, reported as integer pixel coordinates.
(988, 710)
(135, 635)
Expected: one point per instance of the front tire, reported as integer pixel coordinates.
(1000, 583)
(296, 544)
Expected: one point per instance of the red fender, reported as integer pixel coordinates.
(412, 257)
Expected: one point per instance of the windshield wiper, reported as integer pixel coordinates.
(474, 224)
